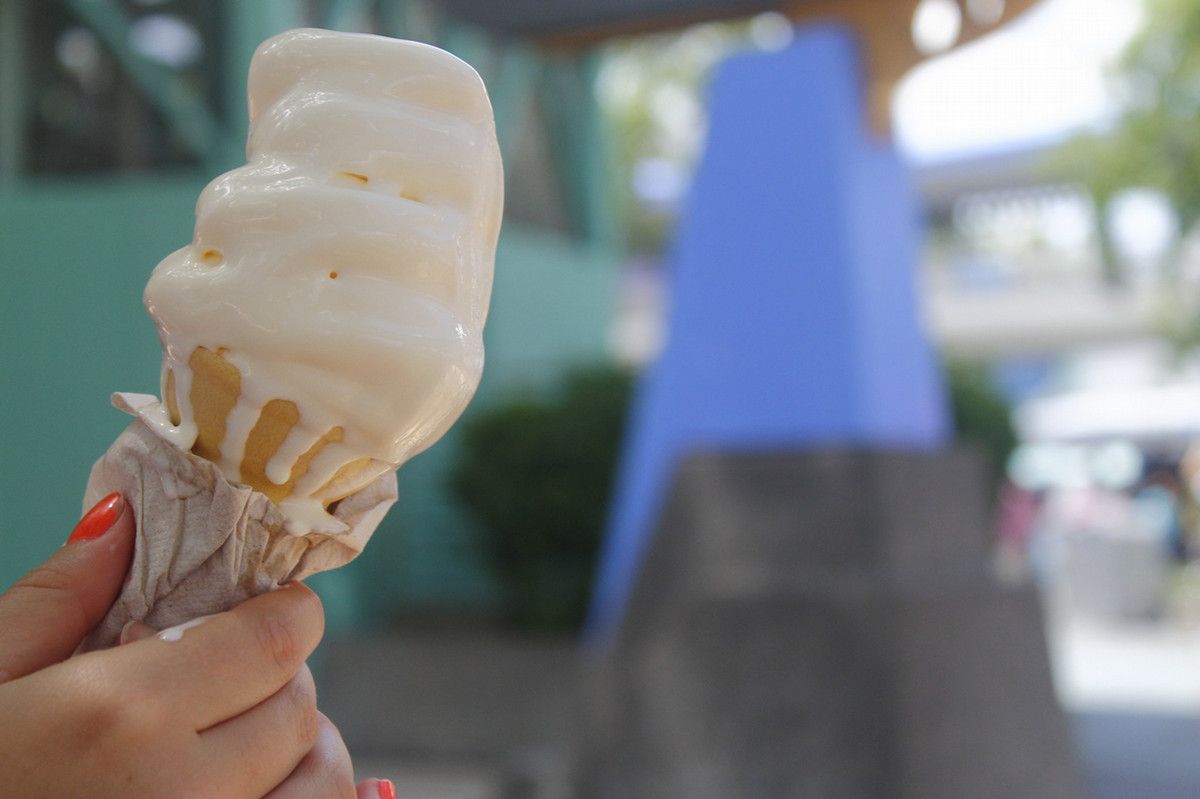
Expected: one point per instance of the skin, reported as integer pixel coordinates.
(156, 718)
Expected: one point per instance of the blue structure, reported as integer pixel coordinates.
(793, 320)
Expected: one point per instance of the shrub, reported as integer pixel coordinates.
(538, 474)
(982, 416)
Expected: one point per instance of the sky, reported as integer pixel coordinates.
(1040, 79)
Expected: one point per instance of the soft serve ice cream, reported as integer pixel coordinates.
(325, 323)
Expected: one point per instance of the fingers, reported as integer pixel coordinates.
(324, 773)
(276, 734)
(45, 615)
(217, 669)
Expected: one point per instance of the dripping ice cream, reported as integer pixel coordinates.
(325, 323)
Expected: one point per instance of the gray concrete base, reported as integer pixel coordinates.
(823, 625)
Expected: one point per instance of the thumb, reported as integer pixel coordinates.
(46, 613)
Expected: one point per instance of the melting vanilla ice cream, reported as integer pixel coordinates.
(325, 323)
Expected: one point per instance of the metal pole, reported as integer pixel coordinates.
(13, 77)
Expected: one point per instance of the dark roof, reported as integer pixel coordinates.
(571, 19)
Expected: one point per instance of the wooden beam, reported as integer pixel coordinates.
(886, 33)
(885, 29)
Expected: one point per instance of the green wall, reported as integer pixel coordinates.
(74, 259)
(75, 256)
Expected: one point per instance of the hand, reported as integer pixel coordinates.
(228, 709)
(324, 772)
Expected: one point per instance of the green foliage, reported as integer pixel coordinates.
(981, 415)
(1155, 144)
(652, 95)
(538, 474)
(1156, 141)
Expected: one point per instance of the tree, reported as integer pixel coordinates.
(1155, 141)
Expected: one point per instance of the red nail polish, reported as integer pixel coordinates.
(99, 519)
(386, 789)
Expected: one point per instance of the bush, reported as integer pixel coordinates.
(538, 475)
(982, 417)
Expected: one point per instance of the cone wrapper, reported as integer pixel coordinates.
(204, 544)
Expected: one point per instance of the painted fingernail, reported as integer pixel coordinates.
(386, 789)
(124, 637)
(97, 521)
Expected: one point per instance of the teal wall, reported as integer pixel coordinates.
(75, 256)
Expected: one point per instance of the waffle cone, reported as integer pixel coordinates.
(215, 390)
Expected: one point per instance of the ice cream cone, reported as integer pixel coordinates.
(323, 326)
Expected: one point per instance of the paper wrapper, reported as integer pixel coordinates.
(204, 544)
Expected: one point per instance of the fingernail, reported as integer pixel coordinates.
(134, 630)
(97, 521)
(386, 789)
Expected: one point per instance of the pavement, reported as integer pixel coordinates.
(1123, 755)
(1132, 692)
(1129, 755)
